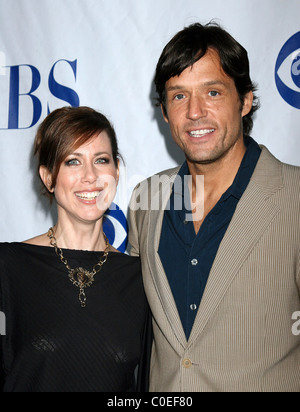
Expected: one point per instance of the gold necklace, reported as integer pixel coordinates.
(80, 277)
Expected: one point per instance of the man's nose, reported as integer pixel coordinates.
(196, 108)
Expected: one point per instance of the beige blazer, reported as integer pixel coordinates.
(242, 338)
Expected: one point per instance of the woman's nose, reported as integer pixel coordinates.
(89, 174)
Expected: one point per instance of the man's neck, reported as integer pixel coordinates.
(219, 174)
(218, 177)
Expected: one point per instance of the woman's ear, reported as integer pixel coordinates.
(46, 178)
(118, 172)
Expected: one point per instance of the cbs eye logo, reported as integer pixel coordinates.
(287, 71)
(116, 228)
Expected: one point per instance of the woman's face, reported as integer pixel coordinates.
(87, 181)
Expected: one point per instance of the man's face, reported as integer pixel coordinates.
(204, 110)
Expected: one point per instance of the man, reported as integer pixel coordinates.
(224, 285)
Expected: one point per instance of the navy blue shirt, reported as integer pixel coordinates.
(188, 258)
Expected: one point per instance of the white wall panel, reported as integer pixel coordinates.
(106, 53)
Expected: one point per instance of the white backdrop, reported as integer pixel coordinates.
(103, 53)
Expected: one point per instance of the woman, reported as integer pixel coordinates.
(75, 308)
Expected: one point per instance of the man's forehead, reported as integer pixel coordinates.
(207, 70)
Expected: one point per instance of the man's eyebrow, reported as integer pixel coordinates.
(214, 83)
(206, 84)
(174, 88)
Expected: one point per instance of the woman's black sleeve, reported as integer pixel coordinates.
(144, 365)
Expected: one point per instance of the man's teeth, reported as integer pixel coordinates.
(88, 195)
(197, 133)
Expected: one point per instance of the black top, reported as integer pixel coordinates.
(52, 344)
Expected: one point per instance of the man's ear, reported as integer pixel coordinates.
(46, 177)
(248, 101)
(164, 113)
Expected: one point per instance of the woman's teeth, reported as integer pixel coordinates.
(88, 195)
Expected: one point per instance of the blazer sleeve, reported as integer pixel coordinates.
(133, 237)
(298, 273)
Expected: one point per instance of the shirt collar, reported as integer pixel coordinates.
(245, 171)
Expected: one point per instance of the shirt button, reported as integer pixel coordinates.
(187, 363)
(193, 307)
(194, 262)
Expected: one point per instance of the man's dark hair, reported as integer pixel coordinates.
(190, 45)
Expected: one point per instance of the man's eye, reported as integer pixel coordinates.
(213, 93)
(179, 97)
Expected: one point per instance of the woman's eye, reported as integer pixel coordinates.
(72, 162)
(102, 161)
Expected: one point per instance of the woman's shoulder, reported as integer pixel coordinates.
(124, 258)
(14, 246)
(11, 254)
(8, 248)
(10, 251)
(41, 240)
(125, 264)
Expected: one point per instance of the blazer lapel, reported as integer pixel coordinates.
(164, 293)
(252, 217)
